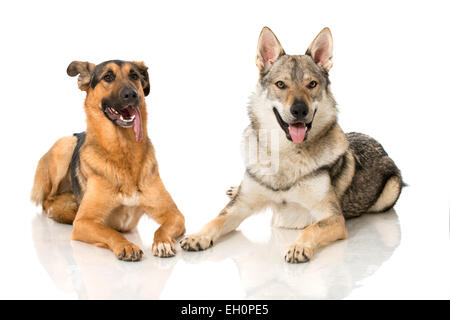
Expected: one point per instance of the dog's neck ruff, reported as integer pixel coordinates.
(299, 161)
(267, 185)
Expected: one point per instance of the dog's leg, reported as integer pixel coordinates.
(160, 207)
(326, 230)
(89, 224)
(237, 210)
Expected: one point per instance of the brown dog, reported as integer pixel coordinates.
(105, 179)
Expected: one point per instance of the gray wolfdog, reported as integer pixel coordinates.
(322, 175)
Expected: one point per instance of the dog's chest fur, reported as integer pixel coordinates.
(293, 163)
(299, 181)
(294, 207)
(133, 200)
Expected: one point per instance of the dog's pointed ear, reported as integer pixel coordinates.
(269, 50)
(84, 70)
(142, 68)
(321, 49)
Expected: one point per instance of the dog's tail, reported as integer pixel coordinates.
(42, 184)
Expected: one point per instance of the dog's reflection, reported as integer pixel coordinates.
(93, 273)
(332, 274)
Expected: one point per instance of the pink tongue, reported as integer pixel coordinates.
(297, 132)
(137, 127)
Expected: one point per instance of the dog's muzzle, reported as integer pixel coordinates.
(297, 131)
(127, 117)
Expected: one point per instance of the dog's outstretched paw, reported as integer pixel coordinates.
(163, 249)
(128, 252)
(196, 243)
(232, 192)
(298, 252)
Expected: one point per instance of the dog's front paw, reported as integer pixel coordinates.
(299, 252)
(232, 192)
(196, 242)
(163, 249)
(128, 252)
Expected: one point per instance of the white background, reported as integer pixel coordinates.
(390, 79)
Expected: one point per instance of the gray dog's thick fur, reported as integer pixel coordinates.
(320, 180)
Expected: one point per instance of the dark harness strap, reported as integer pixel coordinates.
(75, 164)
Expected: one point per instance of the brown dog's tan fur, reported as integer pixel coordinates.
(118, 176)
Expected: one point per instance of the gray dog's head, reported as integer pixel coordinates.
(297, 83)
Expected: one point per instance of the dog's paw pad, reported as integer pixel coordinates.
(163, 249)
(298, 252)
(128, 252)
(196, 243)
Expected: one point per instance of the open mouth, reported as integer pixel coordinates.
(296, 132)
(126, 118)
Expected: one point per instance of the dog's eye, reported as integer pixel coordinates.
(280, 85)
(312, 84)
(109, 77)
(134, 76)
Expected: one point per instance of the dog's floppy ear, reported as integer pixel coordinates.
(321, 49)
(142, 68)
(85, 70)
(269, 50)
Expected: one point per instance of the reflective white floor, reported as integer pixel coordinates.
(398, 254)
(255, 268)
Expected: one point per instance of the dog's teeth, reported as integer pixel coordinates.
(127, 120)
(113, 110)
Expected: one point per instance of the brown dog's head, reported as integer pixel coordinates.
(117, 88)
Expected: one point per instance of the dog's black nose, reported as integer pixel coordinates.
(299, 109)
(129, 95)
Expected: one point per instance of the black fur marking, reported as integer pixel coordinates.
(296, 71)
(96, 75)
(254, 177)
(75, 165)
(282, 124)
(333, 169)
(309, 125)
(337, 168)
(145, 81)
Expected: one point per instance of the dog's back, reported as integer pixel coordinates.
(376, 183)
